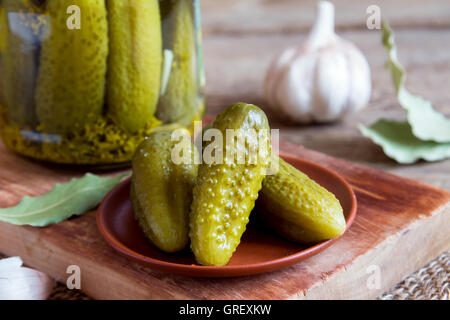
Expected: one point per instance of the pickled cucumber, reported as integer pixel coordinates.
(21, 28)
(134, 63)
(3, 30)
(298, 208)
(3, 43)
(180, 101)
(162, 191)
(225, 193)
(71, 81)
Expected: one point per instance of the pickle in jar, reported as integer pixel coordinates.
(134, 63)
(180, 99)
(23, 23)
(72, 67)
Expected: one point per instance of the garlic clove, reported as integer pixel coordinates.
(275, 73)
(331, 86)
(20, 283)
(361, 84)
(8, 264)
(294, 91)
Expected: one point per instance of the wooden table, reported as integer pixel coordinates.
(241, 38)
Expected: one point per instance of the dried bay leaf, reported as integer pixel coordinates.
(63, 201)
(426, 134)
(426, 123)
(399, 142)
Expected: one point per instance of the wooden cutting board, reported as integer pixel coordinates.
(400, 225)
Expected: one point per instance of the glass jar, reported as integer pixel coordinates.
(84, 81)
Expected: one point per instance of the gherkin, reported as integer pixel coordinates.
(180, 100)
(134, 63)
(3, 44)
(226, 190)
(298, 208)
(71, 81)
(161, 189)
(3, 30)
(21, 28)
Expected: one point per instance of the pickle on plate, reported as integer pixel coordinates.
(161, 189)
(226, 190)
(298, 208)
(179, 101)
(22, 24)
(71, 81)
(134, 63)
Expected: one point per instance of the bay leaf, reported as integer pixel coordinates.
(426, 123)
(399, 142)
(63, 201)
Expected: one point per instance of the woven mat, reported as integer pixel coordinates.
(429, 283)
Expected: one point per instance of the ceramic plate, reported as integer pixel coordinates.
(260, 249)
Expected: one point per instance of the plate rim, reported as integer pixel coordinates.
(196, 270)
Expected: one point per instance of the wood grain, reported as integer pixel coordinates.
(237, 17)
(400, 225)
(398, 228)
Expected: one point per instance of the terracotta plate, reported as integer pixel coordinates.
(260, 250)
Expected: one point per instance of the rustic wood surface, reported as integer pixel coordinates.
(241, 38)
(401, 224)
(237, 17)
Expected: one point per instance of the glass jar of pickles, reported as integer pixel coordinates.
(84, 81)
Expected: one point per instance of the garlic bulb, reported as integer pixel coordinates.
(321, 80)
(20, 283)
